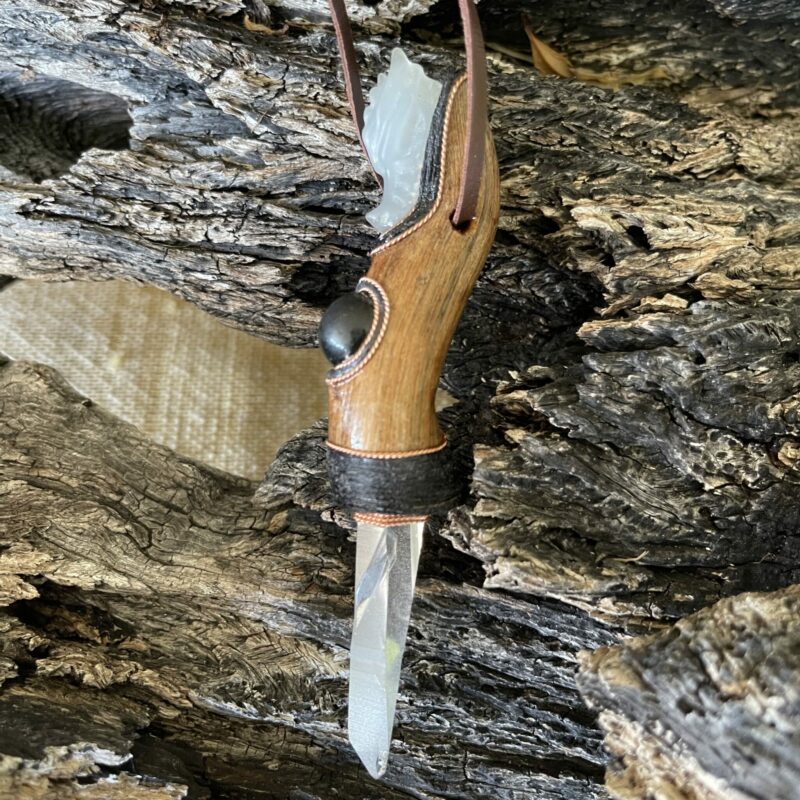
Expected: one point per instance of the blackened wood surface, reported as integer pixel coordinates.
(243, 192)
(709, 708)
(156, 608)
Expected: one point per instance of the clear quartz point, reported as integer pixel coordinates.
(386, 572)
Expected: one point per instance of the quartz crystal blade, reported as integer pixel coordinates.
(386, 572)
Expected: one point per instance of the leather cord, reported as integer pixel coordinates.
(477, 86)
(352, 75)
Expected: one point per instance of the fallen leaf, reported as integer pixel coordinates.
(550, 62)
(547, 60)
(614, 79)
(257, 27)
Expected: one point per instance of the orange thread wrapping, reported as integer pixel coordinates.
(347, 376)
(402, 454)
(386, 520)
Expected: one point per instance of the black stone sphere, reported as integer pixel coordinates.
(344, 326)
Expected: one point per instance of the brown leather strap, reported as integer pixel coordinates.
(478, 99)
(477, 86)
(352, 76)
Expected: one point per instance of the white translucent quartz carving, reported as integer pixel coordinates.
(397, 122)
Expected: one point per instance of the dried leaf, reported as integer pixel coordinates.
(257, 27)
(550, 62)
(545, 59)
(614, 79)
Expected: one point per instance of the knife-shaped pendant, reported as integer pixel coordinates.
(389, 462)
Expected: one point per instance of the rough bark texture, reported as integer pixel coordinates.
(157, 608)
(709, 708)
(628, 369)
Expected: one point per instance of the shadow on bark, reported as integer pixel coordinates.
(46, 124)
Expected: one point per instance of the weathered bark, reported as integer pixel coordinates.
(243, 194)
(156, 607)
(742, 53)
(655, 476)
(708, 709)
(639, 462)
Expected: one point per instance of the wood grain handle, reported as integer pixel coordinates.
(381, 400)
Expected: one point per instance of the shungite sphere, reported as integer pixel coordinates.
(344, 326)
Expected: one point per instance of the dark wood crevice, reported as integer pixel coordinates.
(49, 123)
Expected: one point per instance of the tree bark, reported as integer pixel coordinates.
(160, 609)
(709, 708)
(627, 368)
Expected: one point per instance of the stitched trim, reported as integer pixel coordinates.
(402, 454)
(440, 193)
(348, 369)
(387, 520)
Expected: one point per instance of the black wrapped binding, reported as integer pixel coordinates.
(407, 486)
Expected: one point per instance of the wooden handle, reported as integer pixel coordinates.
(381, 400)
(384, 402)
